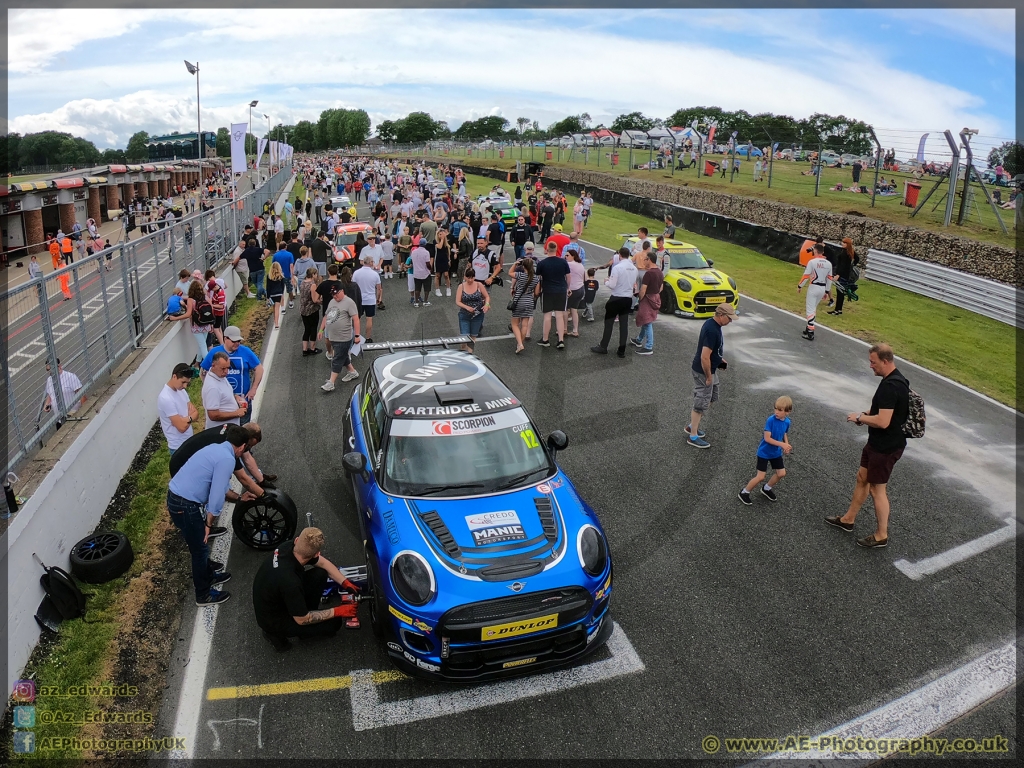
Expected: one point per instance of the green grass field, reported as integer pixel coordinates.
(789, 185)
(968, 348)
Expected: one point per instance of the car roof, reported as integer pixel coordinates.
(413, 383)
(670, 245)
(353, 226)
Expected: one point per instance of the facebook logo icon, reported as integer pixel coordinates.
(24, 742)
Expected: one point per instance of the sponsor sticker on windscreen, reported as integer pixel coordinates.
(495, 527)
(455, 427)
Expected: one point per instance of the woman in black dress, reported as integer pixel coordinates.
(442, 261)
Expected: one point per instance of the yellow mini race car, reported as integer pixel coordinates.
(692, 287)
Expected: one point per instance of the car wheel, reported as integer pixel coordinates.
(378, 603)
(101, 557)
(668, 301)
(266, 522)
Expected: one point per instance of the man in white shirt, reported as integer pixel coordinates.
(819, 273)
(219, 399)
(422, 267)
(368, 280)
(70, 386)
(175, 409)
(374, 251)
(278, 225)
(622, 283)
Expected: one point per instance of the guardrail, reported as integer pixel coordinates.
(93, 313)
(985, 297)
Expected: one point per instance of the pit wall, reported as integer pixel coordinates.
(73, 496)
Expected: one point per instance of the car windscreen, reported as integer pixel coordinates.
(692, 259)
(345, 239)
(463, 456)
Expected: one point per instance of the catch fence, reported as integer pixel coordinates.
(91, 314)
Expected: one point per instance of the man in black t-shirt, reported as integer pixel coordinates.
(321, 250)
(246, 470)
(553, 272)
(890, 408)
(286, 596)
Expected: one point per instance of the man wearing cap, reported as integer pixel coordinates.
(201, 484)
(560, 239)
(174, 407)
(245, 371)
(286, 594)
(368, 281)
(374, 250)
(707, 361)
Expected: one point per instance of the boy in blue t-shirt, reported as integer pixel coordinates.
(773, 445)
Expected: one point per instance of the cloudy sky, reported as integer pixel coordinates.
(905, 71)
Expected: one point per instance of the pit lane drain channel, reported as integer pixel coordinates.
(369, 711)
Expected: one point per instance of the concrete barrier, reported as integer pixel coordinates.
(74, 494)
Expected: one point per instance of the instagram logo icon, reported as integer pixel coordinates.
(24, 691)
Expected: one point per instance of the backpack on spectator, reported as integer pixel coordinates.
(914, 425)
(203, 313)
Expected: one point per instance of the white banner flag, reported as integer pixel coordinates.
(273, 153)
(238, 164)
(261, 144)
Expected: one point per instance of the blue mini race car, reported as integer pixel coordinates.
(482, 559)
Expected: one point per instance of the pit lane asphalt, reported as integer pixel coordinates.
(751, 621)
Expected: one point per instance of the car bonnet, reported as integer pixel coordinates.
(495, 538)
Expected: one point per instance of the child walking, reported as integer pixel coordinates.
(590, 287)
(773, 445)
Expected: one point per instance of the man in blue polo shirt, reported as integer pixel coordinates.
(285, 258)
(200, 485)
(245, 372)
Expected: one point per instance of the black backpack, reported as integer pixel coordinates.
(203, 313)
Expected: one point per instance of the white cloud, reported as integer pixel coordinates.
(468, 80)
(35, 37)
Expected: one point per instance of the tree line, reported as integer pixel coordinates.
(336, 128)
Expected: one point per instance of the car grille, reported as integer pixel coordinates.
(701, 299)
(464, 623)
(473, 662)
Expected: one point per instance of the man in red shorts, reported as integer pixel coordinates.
(890, 407)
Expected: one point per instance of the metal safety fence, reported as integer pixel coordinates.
(91, 314)
(998, 301)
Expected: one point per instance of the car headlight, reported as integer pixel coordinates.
(592, 550)
(412, 578)
(684, 285)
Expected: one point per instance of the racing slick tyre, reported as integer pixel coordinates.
(266, 522)
(668, 300)
(101, 557)
(378, 603)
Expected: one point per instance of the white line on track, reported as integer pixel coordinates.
(368, 711)
(925, 710)
(190, 701)
(958, 554)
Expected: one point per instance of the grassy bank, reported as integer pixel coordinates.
(93, 650)
(971, 349)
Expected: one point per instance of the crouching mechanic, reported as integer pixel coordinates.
(286, 594)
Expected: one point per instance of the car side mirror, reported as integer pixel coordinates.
(710, 262)
(558, 441)
(353, 462)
